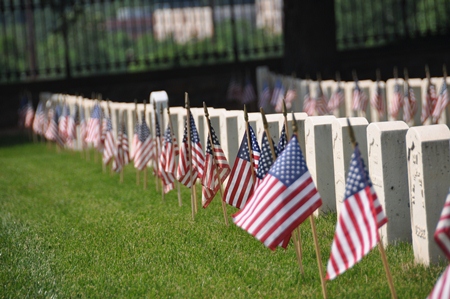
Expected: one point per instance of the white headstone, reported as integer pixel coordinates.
(429, 179)
(343, 149)
(319, 149)
(388, 172)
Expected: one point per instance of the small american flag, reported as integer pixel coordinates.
(360, 99)
(336, 99)
(264, 100)
(359, 220)
(62, 123)
(377, 100)
(248, 95)
(397, 101)
(442, 234)
(283, 140)
(285, 198)
(52, 128)
(210, 181)
(117, 165)
(93, 127)
(441, 289)
(240, 184)
(278, 93)
(167, 161)
(198, 158)
(309, 105)
(266, 160)
(144, 146)
(123, 155)
(441, 102)
(72, 127)
(29, 115)
(234, 91)
(110, 150)
(429, 103)
(409, 104)
(39, 119)
(321, 101)
(83, 128)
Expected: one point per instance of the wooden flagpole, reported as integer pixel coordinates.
(136, 118)
(224, 208)
(296, 233)
(313, 228)
(172, 133)
(122, 127)
(145, 168)
(188, 124)
(249, 143)
(157, 142)
(380, 244)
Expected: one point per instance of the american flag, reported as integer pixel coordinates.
(62, 123)
(52, 128)
(266, 160)
(198, 158)
(377, 100)
(360, 99)
(83, 128)
(156, 144)
(321, 101)
(442, 234)
(285, 198)
(167, 160)
(441, 289)
(283, 140)
(234, 91)
(248, 95)
(144, 147)
(429, 102)
(210, 181)
(123, 155)
(291, 95)
(309, 105)
(110, 149)
(278, 93)
(264, 100)
(240, 184)
(39, 119)
(135, 140)
(409, 104)
(441, 102)
(359, 220)
(93, 127)
(397, 101)
(103, 131)
(29, 115)
(336, 99)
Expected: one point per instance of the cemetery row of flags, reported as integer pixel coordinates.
(403, 97)
(269, 184)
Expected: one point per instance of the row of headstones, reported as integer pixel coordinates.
(367, 86)
(409, 167)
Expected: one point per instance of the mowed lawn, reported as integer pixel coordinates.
(69, 230)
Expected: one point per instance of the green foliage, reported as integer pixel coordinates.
(69, 230)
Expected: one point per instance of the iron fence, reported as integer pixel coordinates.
(52, 39)
(372, 23)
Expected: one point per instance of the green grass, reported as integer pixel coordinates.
(69, 230)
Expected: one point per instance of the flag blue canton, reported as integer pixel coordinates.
(443, 88)
(358, 176)
(58, 112)
(194, 133)
(96, 112)
(157, 129)
(144, 131)
(397, 88)
(255, 146)
(168, 136)
(214, 139)
(108, 124)
(288, 167)
(266, 160)
(283, 141)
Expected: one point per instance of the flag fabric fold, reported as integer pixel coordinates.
(321, 105)
(215, 162)
(309, 105)
(167, 170)
(266, 160)
(360, 99)
(396, 102)
(240, 184)
(39, 119)
(144, 146)
(441, 103)
(284, 199)
(110, 148)
(442, 233)
(441, 289)
(336, 99)
(198, 158)
(94, 127)
(283, 140)
(360, 217)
